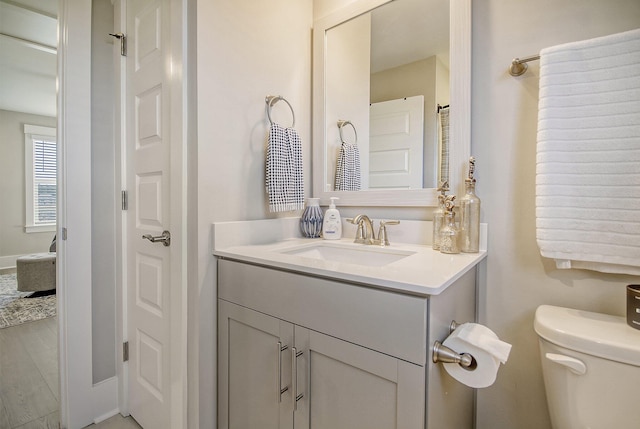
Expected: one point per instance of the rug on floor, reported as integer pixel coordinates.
(17, 308)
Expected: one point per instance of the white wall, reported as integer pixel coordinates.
(13, 239)
(504, 118)
(245, 51)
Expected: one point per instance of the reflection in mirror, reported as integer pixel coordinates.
(347, 85)
(386, 72)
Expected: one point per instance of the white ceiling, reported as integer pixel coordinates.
(405, 31)
(28, 40)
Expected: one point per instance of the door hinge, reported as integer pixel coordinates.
(125, 351)
(125, 200)
(64, 233)
(123, 42)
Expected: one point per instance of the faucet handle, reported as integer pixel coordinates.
(383, 238)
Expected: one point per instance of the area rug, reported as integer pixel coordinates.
(17, 308)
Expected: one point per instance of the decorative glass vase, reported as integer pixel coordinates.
(470, 219)
(438, 219)
(311, 220)
(449, 234)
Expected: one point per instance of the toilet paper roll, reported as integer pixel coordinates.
(483, 371)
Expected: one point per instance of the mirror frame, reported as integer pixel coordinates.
(460, 111)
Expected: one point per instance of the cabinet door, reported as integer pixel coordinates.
(254, 369)
(345, 386)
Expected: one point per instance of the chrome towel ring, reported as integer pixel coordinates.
(271, 100)
(342, 123)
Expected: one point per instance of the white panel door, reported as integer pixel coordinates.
(147, 166)
(396, 143)
(343, 386)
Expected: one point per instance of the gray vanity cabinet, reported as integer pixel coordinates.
(254, 369)
(349, 386)
(337, 384)
(352, 355)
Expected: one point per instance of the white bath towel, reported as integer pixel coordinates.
(588, 154)
(284, 170)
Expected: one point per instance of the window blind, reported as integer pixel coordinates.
(44, 181)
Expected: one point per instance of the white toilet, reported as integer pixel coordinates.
(591, 368)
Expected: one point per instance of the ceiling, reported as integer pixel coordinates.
(409, 30)
(28, 40)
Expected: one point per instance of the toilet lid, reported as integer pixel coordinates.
(596, 334)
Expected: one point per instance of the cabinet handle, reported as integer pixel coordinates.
(296, 397)
(281, 390)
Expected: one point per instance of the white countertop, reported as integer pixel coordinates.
(425, 272)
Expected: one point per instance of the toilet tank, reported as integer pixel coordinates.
(591, 368)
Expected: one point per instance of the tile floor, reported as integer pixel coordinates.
(29, 379)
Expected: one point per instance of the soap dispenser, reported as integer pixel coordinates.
(470, 214)
(332, 226)
(438, 214)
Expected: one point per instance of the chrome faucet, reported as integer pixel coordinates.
(365, 233)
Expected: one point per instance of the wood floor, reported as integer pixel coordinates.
(29, 375)
(29, 379)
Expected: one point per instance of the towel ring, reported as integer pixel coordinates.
(342, 123)
(271, 100)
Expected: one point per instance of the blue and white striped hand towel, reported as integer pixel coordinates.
(284, 170)
(588, 154)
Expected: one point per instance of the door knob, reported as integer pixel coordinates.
(165, 238)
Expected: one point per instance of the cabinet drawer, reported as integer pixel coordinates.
(388, 322)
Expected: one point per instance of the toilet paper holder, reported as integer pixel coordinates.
(444, 354)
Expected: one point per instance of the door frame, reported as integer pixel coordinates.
(74, 214)
(82, 402)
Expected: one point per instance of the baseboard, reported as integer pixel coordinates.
(8, 262)
(105, 399)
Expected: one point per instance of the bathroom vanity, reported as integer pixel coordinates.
(307, 341)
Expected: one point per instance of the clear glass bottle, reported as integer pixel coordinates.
(438, 218)
(470, 214)
(438, 214)
(449, 233)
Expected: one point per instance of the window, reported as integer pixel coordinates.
(40, 178)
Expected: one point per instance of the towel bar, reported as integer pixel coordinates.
(271, 100)
(519, 65)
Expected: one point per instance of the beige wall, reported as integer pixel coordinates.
(416, 78)
(348, 57)
(13, 239)
(504, 118)
(245, 51)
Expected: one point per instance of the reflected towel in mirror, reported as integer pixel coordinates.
(348, 168)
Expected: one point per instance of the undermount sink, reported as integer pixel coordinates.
(367, 255)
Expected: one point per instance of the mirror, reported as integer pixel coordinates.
(364, 55)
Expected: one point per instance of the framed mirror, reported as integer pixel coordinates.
(380, 64)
